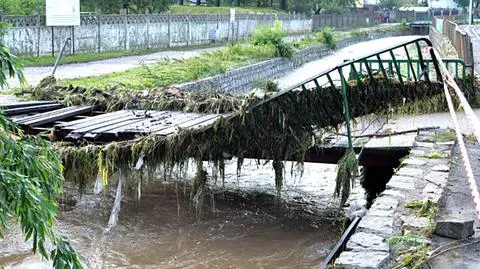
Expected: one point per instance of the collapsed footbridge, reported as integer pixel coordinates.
(108, 132)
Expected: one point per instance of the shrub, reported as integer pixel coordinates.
(326, 37)
(273, 35)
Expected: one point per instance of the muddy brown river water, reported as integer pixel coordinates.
(243, 230)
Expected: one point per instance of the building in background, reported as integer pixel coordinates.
(442, 4)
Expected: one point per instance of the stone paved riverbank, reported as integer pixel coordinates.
(422, 176)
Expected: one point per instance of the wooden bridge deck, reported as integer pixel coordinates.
(84, 123)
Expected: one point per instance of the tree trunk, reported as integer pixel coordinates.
(283, 4)
(199, 2)
(238, 3)
(218, 3)
(180, 2)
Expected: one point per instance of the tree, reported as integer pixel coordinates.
(466, 3)
(332, 5)
(390, 4)
(283, 4)
(31, 177)
(22, 7)
(136, 6)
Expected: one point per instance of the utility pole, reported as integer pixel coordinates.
(470, 17)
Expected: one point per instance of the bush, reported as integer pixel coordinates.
(273, 35)
(326, 37)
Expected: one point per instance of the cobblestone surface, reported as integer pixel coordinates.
(418, 178)
(457, 205)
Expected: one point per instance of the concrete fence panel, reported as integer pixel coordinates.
(28, 35)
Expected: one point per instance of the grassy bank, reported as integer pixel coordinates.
(171, 72)
(330, 37)
(48, 60)
(208, 64)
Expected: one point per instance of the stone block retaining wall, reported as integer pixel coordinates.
(244, 79)
(418, 178)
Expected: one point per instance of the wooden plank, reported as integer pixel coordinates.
(193, 124)
(25, 104)
(154, 119)
(55, 115)
(83, 123)
(118, 126)
(167, 122)
(78, 133)
(30, 109)
(341, 243)
(21, 119)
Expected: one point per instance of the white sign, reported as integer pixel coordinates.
(63, 12)
(232, 15)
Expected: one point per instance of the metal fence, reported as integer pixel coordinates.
(365, 18)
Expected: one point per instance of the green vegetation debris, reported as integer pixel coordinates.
(445, 136)
(433, 156)
(347, 171)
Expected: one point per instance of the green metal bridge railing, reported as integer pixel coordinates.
(391, 70)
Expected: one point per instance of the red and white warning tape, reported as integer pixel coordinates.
(449, 81)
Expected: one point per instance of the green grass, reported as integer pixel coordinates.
(433, 156)
(175, 9)
(319, 36)
(445, 136)
(48, 60)
(173, 72)
(208, 64)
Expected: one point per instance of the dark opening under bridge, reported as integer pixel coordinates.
(398, 75)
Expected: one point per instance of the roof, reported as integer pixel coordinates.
(416, 9)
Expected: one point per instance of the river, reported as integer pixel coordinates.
(242, 230)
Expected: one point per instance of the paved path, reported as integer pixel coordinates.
(35, 74)
(458, 204)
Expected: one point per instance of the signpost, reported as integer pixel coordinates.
(62, 13)
(232, 23)
(470, 16)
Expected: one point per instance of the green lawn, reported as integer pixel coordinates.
(207, 64)
(173, 72)
(175, 9)
(48, 60)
